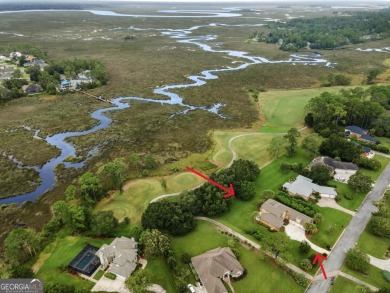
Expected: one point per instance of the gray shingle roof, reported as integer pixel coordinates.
(333, 164)
(275, 212)
(213, 264)
(304, 186)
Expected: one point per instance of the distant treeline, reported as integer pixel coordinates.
(327, 32)
(367, 108)
(12, 6)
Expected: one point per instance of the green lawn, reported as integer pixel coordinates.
(285, 109)
(344, 285)
(375, 174)
(98, 275)
(59, 253)
(262, 276)
(373, 245)
(338, 219)
(138, 193)
(351, 204)
(374, 277)
(161, 274)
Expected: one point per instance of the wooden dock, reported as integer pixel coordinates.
(100, 98)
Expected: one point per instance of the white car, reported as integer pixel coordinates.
(192, 289)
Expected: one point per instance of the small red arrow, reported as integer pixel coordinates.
(230, 191)
(319, 257)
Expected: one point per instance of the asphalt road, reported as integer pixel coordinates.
(351, 233)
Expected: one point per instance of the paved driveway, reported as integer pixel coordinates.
(380, 263)
(108, 285)
(352, 232)
(296, 233)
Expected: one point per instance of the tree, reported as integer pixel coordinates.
(305, 264)
(103, 224)
(20, 245)
(34, 72)
(150, 162)
(372, 75)
(357, 260)
(115, 172)
(320, 174)
(379, 226)
(243, 170)
(292, 137)
(78, 218)
(318, 218)
(310, 228)
(168, 215)
(60, 211)
(71, 192)
(91, 187)
(134, 160)
(276, 242)
(245, 190)
(138, 282)
(360, 182)
(304, 247)
(276, 146)
(312, 144)
(155, 243)
(17, 74)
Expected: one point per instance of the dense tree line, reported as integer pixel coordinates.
(297, 203)
(177, 217)
(366, 108)
(327, 32)
(379, 223)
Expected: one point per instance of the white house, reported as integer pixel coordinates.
(120, 256)
(305, 187)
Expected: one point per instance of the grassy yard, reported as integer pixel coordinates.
(373, 245)
(160, 274)
(98, 275)
(285, 109)
(262, 276)
(138, 193)
(58, 254)
(374, 277)
(351, 204)
(342, 285)
(338, 219)
(375, 174)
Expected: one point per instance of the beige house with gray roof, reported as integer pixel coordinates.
(120, 256)
(214, 265)
(273, 213)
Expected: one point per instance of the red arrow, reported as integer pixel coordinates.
(319, 257)
(230, 191)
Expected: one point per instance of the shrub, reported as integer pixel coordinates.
(386, 275)
(268, 194)
(304, 247)
(305, 264)
(357, 260)
(186, 258)
(110, 276)
(280, 262)
(348, 196)
(337, 198)
(145, 173)
(300, 279)
(330, 229)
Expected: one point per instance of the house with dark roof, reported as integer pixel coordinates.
(274, 214)
(214, 265)
(32, 89)
(37, 62)
(305, 187)
(341, 170)
(360, 134)
(120, 257)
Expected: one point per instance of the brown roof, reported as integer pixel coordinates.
(214, 264)
(273, 212)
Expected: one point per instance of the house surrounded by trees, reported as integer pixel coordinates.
(360, 134)
(341, 170)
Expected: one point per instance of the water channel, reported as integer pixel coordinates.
(47, 172)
